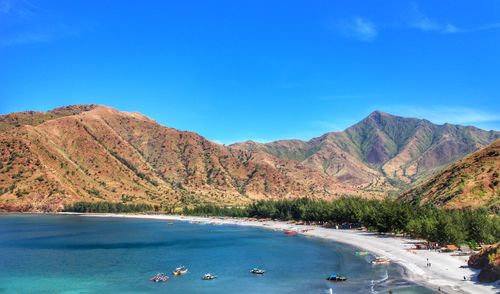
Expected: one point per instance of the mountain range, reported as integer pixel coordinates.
(94, 153)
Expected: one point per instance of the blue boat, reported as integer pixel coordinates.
(336, 278)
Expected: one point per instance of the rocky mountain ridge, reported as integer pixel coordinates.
(381, 148)
(96, 153)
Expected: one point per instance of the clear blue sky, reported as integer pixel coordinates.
(261, 70)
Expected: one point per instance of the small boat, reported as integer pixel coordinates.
(180, 271)
(170, 223)
(381, 260)
(257, 271)
(362, 253)
(159, 277)
(288, 232)
(336, 278)
(208, 276)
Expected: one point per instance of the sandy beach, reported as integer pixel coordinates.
(444, 273)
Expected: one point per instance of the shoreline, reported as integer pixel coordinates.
(445, 272)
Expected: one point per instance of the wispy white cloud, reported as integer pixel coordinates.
(46, 34)
(445, 114)
(331, 125)
(494, 25)
(366, 30)
(25, 38)
(26, 23)
(358, 28)
(419, 20)
(20, 10)
(328, 126)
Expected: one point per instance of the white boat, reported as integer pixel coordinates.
(180, 271)
(159, 277)
(208, 276)
(381, 260)
(258, 271)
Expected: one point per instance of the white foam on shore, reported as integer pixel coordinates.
(444, 273)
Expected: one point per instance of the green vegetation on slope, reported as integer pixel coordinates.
(396, 148)
(473, 181)
(109, 207)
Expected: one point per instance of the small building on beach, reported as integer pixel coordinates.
(449, 248)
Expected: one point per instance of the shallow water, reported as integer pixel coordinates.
(77, 254)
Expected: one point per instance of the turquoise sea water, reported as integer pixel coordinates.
(77, 254)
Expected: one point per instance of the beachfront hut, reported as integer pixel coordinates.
(450, 248)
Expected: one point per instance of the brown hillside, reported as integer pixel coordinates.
(473, 181)
(103, 154)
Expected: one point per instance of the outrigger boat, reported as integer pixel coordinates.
(208, 276)
(336, 278)
(257, 271)
(160, 277)
(381, 260)
(180, 271)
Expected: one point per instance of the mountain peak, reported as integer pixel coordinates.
(381, 119)
(378, 117)
(378, 113)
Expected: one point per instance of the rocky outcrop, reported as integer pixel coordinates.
(488, 261)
